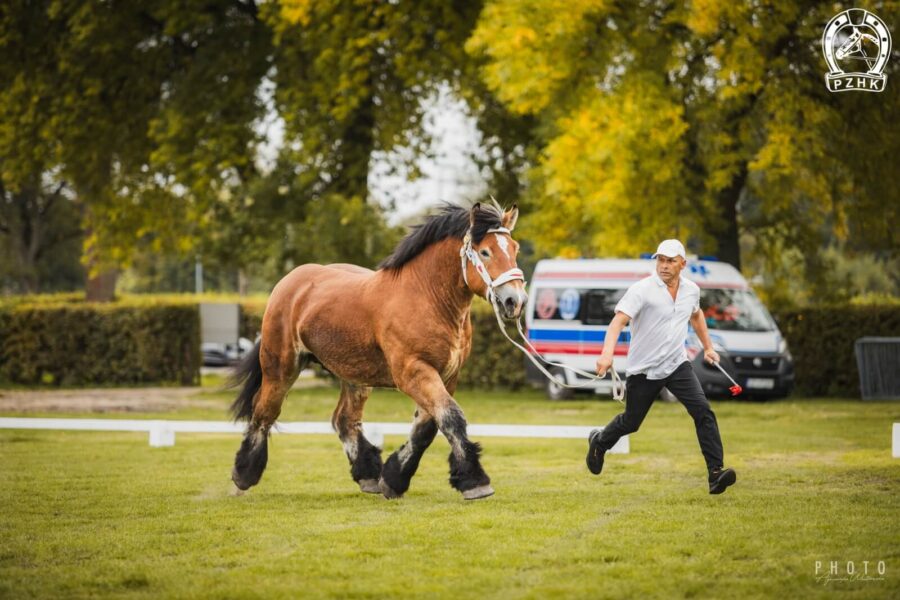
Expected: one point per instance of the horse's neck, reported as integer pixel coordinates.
(437, 272)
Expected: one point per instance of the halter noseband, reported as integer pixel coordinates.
(467, 252)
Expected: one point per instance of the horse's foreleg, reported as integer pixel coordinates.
(424, 385)
(364, 457)
(466, 474)
(402, 464)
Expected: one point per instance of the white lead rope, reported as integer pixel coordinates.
(618, 386)
(466, 252)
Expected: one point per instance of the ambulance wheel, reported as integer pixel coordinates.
(556, 391)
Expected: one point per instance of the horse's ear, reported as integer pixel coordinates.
(510, 217)
(472, 214)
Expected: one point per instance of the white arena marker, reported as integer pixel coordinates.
(895, 452)
(162, 433)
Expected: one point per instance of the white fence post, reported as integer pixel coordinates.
(895, 452)
(161, 434)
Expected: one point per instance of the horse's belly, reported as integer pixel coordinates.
(347, 356)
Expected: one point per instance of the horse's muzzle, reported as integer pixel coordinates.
(512, 298)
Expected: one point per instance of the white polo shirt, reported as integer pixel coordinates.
(658, 325)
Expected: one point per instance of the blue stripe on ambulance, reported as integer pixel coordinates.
(574, 335)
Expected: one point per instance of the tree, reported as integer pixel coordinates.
(351, 78)
(145, 110)
(703, 120)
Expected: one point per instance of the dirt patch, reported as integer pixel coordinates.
(104, 400)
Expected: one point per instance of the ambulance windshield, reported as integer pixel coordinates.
(734, 310)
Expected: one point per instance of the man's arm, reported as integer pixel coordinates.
(616, 326)
(699, 324)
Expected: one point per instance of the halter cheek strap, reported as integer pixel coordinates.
(468, 253)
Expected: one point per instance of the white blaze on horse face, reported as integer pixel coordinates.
(503, 243)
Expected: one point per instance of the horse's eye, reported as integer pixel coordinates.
(485, 253)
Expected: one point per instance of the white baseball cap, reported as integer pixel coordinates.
(670, 248)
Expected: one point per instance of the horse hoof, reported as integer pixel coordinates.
(236, 491)
(386, 490)
(369, 486)
(482, 491)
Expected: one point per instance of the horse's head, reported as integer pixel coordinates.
(850, 45)
(490, 262)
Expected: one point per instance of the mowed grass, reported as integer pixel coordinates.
(89, 514)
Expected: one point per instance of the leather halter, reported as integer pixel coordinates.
(467, 252)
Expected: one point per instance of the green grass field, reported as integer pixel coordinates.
(88, 514)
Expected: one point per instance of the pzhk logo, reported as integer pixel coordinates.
(857, 45)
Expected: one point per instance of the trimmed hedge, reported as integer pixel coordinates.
(822, 343)
(251, 319)
(46, 343)
(494, 363)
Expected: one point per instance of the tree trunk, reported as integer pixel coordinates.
(728, 238)
(243, 284)
(100, 284)
(357, 144)
(102, 287)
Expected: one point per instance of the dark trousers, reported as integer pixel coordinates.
(641, 392)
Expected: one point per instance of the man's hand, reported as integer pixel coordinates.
(711, 356)
(603, 365)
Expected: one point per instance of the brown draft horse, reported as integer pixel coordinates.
(404, 326)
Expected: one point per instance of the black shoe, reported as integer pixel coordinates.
(595, 453)
(721, 478)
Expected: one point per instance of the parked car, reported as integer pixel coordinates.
(224, 355)
(571, 303)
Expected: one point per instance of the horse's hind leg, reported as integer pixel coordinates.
(278, 374)
(402, 464)
(364, 457)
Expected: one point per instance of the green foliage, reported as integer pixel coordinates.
(352, 76)
(56, 342)
(145, 113)
(494, 363)
(788, 279)
(143, 110)
(251, 319)
(822, 339)
(706, 120)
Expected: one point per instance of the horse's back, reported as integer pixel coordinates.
(348, 268)
(311, 285)
(315, 275)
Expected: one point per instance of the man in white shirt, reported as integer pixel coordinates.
(659, 308)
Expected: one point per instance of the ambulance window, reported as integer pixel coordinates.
(600, 306)
(734, 310)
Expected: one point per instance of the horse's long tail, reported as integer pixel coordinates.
(249, 373)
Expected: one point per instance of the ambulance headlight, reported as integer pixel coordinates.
(784, 352)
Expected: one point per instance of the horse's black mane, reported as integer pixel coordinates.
(450, 221)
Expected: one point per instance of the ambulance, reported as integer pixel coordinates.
(571, 302)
